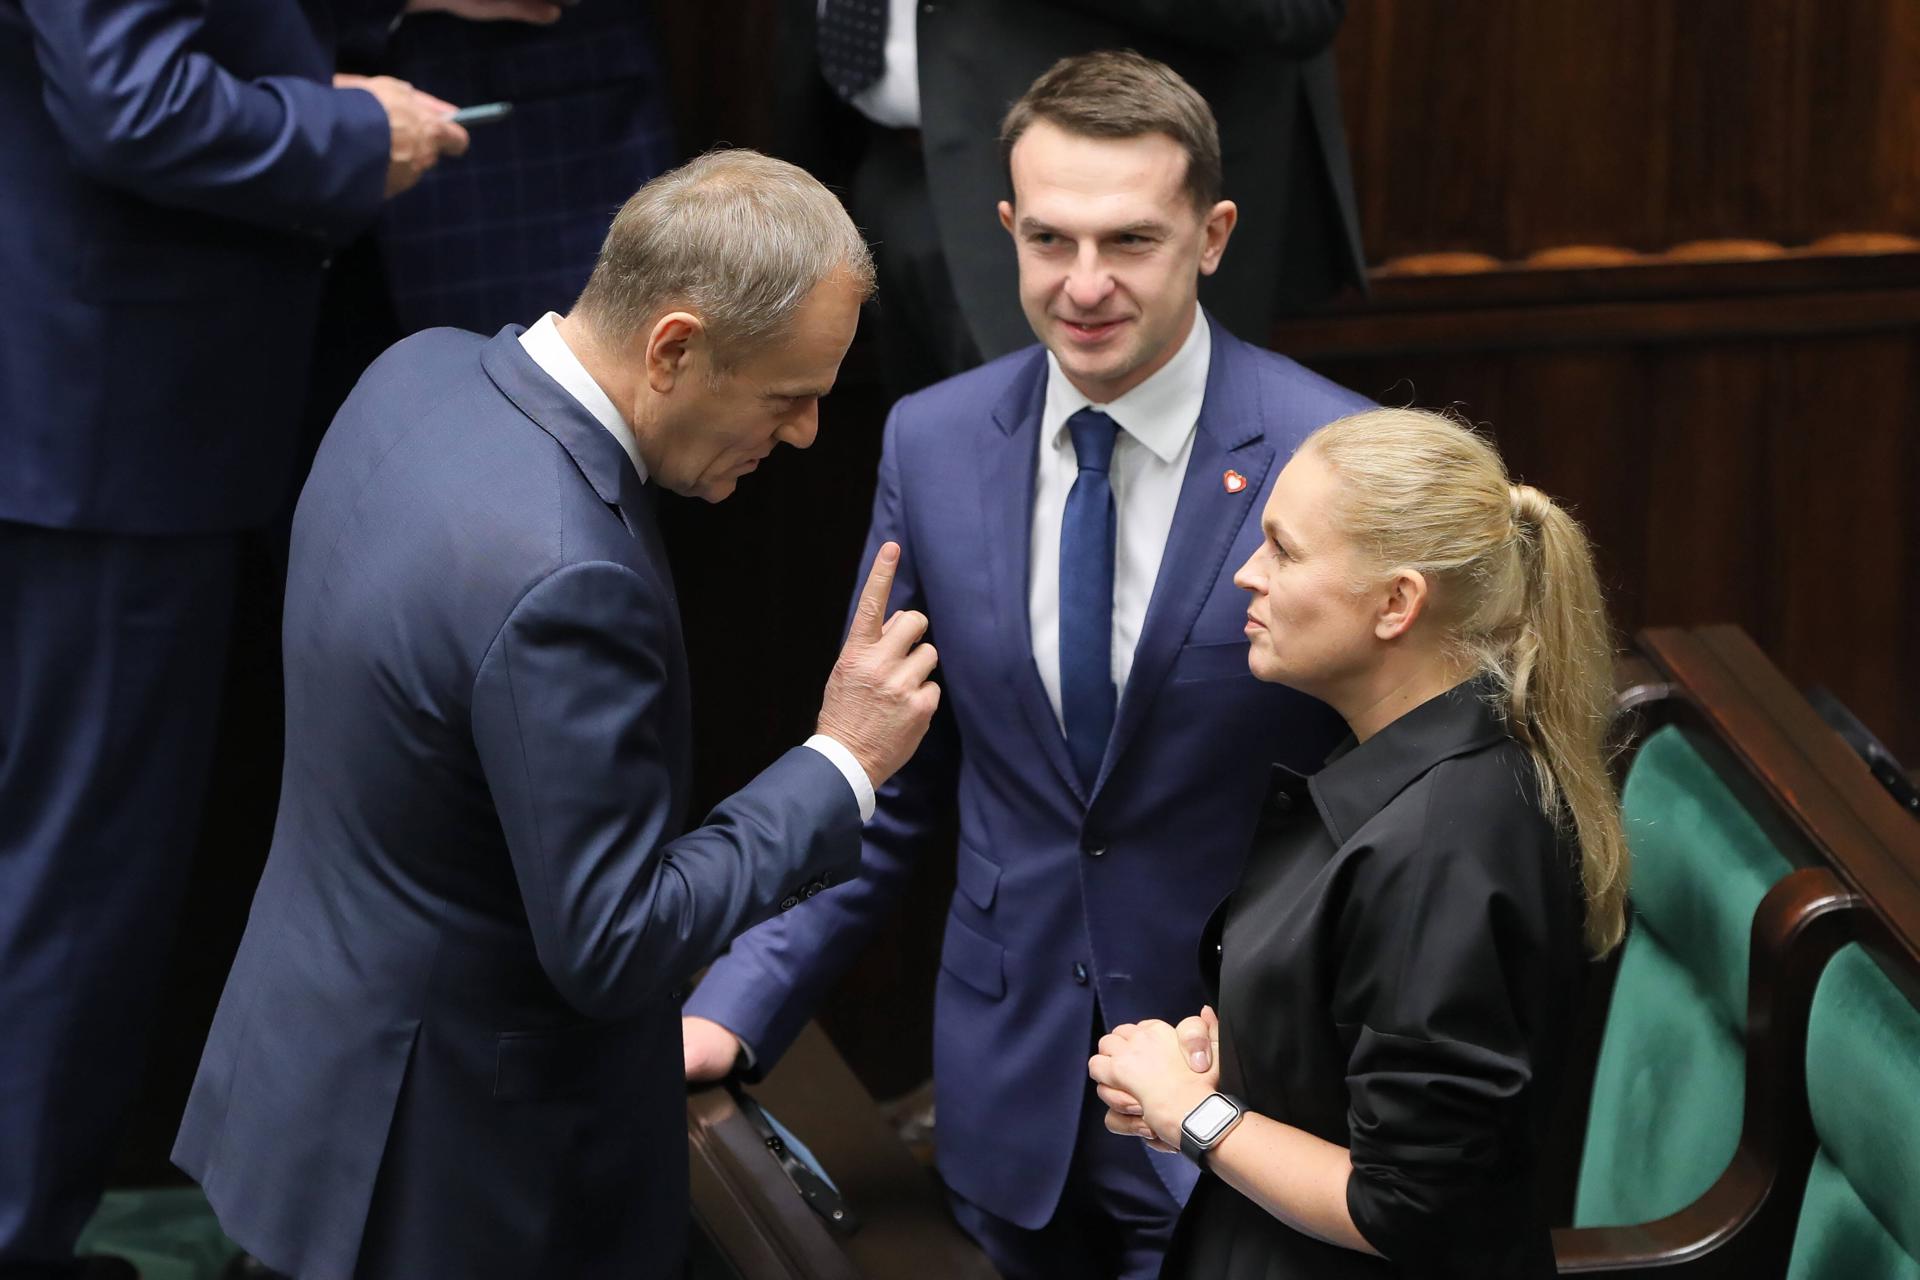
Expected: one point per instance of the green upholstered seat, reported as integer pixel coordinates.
(1861, 1215)
(168, 1233)
(1668, 1087)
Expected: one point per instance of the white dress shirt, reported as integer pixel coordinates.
(556, 359)
(894, 99)
(1157, 420)
(551, 352)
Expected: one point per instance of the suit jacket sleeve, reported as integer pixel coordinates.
(1296, 27)
(1439, 1074)
(773, 979)
(572, 734)
(143, 110)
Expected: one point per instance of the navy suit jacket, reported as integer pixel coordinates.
(1063, 896)
(450, 1043)
(171, 175)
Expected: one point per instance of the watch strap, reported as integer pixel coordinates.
(1191, 1149)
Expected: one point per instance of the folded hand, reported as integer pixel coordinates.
(1150, 1074)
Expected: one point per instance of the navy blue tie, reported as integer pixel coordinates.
(1087, 695)
(852, 43)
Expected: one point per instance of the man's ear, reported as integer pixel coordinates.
(1221, 220)
(669, 348)
(1006, 215)
(1405, 599)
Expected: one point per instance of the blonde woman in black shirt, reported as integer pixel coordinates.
(1393, 973)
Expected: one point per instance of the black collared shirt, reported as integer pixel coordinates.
(1393, 975)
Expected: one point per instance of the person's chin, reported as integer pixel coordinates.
(1265, 667)
(1102, 366)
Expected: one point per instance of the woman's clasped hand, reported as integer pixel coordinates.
(1151, 1074)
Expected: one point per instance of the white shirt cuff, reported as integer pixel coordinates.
(836, 751)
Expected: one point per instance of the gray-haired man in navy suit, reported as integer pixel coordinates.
(450, 1043)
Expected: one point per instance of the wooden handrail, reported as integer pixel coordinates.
(1812, 774)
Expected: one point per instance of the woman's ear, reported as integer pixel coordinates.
(1404, 601)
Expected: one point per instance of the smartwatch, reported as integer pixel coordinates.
(1206, 1124)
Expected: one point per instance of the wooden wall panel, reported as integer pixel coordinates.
(1507, 127)
(1588, 74)
(1438, 196)
(1577, 426)
(1844, 528)
(721, 60)
(1734, 122)
(1705, 532)
(1862, 134)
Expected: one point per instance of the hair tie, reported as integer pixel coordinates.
(1527, 505)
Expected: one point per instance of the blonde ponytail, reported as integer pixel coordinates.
(1518, 596)
(1559, 682)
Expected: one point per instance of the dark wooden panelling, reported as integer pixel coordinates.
(1510, 126)
(720, 60)
(1584, 74)
(1578, 426)
(1843, 527)
(1440, 194)
(1704, 531)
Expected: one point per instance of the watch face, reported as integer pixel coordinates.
(1207, 1120)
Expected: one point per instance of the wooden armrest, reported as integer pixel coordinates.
(1693, 1242)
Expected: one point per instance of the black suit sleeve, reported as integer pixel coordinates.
(1440, 1066)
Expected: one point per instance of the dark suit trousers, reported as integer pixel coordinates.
(111, 654)
(1114, 1221)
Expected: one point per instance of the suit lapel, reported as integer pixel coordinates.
(601, 460)
(1006, 506)
(1231, 435)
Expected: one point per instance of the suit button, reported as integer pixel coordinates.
(1080, 973)
(1097, 851)
(810, 890)
(1282, 802)
(1217, 949)
(789, 902)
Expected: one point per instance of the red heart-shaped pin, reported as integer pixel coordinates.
(1234, 481)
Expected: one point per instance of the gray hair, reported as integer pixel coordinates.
(738, 238)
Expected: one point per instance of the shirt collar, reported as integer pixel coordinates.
(1360, 779)
(1160, 413)
(556, 359)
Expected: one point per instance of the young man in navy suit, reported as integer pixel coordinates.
(1069, 518)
